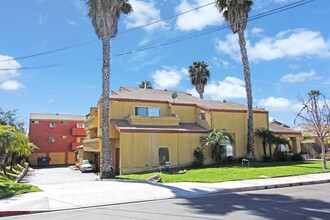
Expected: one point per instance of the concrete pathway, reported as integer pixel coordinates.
(90, 193)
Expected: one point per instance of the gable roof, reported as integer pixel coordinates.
(183, 98)
(41, 116)
(281, 129)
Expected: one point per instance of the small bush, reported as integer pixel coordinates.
(231, 160)
(297, 157)
(266, 159)
(198, 157)
(281, 156)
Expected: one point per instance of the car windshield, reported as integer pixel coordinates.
(87, 162)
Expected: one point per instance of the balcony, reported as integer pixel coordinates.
(78, 132)
(91, 122)
(92, 145)
(75, 145)
(145, 120)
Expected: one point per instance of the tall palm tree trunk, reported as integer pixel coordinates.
(106, 170)
(248, 88)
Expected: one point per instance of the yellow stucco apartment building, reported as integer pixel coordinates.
(149, 127)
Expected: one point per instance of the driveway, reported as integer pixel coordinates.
(56, 175)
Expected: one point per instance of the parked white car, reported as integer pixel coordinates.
(87, 165)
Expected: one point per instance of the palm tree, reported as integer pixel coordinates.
(236, 13)
(105, 15)
(145, 85)
(266, 136)
(215, 140)
(199, 74)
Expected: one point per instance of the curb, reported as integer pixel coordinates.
(275, 186)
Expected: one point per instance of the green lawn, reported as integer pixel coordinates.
(9, 188)
(236, 172)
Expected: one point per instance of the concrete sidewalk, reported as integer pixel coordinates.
(98, 193)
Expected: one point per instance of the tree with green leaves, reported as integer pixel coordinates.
(105, 15)
(267, 137)
(145, 85)
(236, 13)
(199, 75)
(315, 117)
(10, 118)
(216, 141)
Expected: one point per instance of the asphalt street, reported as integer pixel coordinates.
(310, 202)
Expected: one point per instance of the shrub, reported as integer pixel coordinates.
(281, 156)
(198, 157)
(297, 157)
(266, 159)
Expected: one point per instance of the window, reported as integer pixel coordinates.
(64, 122)
(35, 122)
(80, 125)
(163, 155)
(80, 140)
(52, 124)
(51, 140)
(229, 149)
(63, 137)
(147, 111)
(201, 116)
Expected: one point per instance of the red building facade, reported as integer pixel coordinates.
(56, 136)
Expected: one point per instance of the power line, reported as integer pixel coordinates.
(208, 31)
(92, 41)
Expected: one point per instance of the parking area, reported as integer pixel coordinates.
(56, 175)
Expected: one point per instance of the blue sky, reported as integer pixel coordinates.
(289, 54)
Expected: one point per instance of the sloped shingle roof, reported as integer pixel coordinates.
(276, 128)
(153, 95)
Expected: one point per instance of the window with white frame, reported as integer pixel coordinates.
(147, 111)
(51, 139)
(64, 122)
(63, 137)
(80, 125)
(201, 116)
(35, 122)
(52, 124)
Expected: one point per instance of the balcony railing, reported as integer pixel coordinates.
(91, 122)
(92, 145)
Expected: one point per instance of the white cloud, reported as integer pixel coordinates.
(229, 88)
(144, 12)
(168, 77)
(8, 71)
(299, 77)
(276, 104)
(257, 31)
(71, 22)
(42, 18)
(197, 19)
(8, 68)
(218, 62)
(11, 85)
(286, 44)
